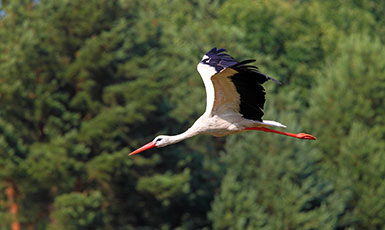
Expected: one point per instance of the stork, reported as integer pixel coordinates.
(235, 98)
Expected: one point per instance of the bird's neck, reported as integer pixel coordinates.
(180, 137)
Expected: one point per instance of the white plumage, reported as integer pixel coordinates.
(234, 104)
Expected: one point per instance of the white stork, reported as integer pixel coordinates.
(235, 99)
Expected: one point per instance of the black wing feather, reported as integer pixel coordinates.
(248, 82)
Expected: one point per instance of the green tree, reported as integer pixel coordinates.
(274, 182)
(79, 211)
(82, 83)
(347, 114)
(80, 88)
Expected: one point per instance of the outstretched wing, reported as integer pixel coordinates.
(232, 86)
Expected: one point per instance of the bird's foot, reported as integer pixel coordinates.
(305, 136)
(298, 135)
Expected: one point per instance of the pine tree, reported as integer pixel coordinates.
(347, 114)
(79, 211)
(81, 87)
(274, 182)
(82, 83)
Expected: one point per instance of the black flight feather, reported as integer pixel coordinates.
(248, 82)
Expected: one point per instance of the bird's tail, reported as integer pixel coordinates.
(272, 123)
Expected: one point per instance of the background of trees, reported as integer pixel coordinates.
(82, 83)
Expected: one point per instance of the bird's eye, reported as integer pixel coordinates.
(159, 139)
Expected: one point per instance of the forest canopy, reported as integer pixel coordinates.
(83, 83)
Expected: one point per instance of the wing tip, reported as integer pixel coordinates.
(216, 50)
(220, 59)
(274, 80)
(229, 61)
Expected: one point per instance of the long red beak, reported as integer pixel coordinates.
(143, 148)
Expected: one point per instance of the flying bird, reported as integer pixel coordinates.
(234, 101)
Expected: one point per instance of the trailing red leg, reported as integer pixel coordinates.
(298, 135)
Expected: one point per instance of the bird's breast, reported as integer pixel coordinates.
(222, 125)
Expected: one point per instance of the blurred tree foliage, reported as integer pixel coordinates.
(82, 83)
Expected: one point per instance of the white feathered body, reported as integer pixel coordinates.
(235, 100)
(222, 115)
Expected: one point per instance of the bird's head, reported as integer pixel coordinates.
(162, 140)
(159, 141)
